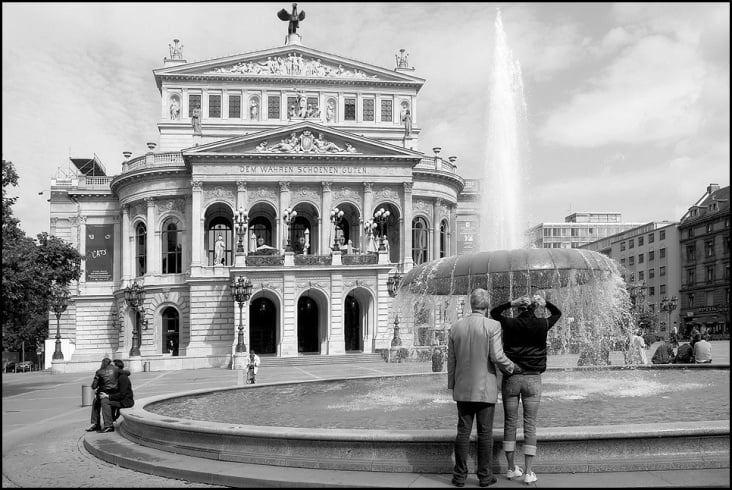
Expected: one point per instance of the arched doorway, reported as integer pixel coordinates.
(171, 331)
(308, 338)
(263, 326)
(353, 324)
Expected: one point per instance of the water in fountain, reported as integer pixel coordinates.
(502, 219)
(585, 285)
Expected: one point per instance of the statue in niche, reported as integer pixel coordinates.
(196, 120)
(254, 110)
(294, 18)
(252, 242)
(219, 249)
(330, 111)
(174, 109)
(406, 117)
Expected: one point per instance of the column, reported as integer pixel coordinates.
(126, 243)
(325, 230)
(368, 213)
(82, 247)
(241, 202)
(153, 239)
(435, 230)
(452, 231)
(281, 226)
(196, 234)
(407, 241)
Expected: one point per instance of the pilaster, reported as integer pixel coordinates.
(153, 239)
(335, 338)
(368, 211)
(435, 230)
(196, 225)
(407, 247)
(82, 247)
(281, 226)
(126, 243)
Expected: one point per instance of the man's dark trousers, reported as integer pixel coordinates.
(483, 415)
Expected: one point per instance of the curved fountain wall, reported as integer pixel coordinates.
(675, 445)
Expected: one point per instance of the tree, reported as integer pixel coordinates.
(29, 268)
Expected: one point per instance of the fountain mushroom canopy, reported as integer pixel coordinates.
(521, 270)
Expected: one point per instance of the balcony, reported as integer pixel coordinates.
(154, 160)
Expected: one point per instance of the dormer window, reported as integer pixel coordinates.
(713, 206)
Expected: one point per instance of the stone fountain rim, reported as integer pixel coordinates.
(660, 429)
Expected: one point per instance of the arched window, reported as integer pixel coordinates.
(420, 241)
(172, 248)
(220, 226)
(171, 331)
(262, 228)
(444, 238)
(140, 250)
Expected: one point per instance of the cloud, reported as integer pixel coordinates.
(648, 94)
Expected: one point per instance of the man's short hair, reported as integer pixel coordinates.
(119, 363)
(479, 299)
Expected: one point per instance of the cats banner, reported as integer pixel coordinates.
(99, 252)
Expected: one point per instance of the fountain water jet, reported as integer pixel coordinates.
(503, 217)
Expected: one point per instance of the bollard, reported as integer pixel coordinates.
(87, 395)
(146, 366)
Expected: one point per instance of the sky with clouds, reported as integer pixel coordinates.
(627, 105)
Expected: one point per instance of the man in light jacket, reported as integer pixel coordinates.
(475, 350)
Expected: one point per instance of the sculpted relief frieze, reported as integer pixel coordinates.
(305, 194)
(218, 194)
(291, 65)
(166, 205)
(263, 194)
(346, 193)
(422, 206)
(304, 142)
(386, 195)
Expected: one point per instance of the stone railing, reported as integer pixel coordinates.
(313, 259)
(154, 160)
(360, 259)
(265, 260)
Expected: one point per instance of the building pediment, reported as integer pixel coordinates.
(290, 62)
(306, 139)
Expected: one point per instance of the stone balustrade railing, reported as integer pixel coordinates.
(170, 159)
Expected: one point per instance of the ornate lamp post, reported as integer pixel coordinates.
(241, 218)
(59, 302)
(396, 341)
(241, 290)
(381, 216)
(336, 216)
(135, 298)
(288, 215)
(668, 305)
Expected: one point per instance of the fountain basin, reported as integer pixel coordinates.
(581, 448)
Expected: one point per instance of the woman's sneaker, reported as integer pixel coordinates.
(514, 473)
(530, 478)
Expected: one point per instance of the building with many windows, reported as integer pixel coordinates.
(577, 229)
(319, 157)
(705, 257)
(648, 256)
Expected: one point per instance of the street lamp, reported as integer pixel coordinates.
(241, 290)
(241, 218)
(59, 302)
(135, 298)
(336, 216)
(369, 226)
(392, 284)
(396, 341)
(668, 305)
(381, 216)
(288, 216)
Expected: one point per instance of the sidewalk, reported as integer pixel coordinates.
(43, 434)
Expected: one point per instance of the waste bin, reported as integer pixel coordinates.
(87, 395)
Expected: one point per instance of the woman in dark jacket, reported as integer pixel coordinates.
(524, 342)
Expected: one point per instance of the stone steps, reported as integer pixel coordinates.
(315, 359)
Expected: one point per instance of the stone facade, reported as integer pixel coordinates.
(265, 138)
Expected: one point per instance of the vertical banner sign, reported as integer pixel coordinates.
(466, 237)
(99, 252)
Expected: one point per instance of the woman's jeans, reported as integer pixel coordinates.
(483, 415)
(528, 387)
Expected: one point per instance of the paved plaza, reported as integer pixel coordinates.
(43, 434)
